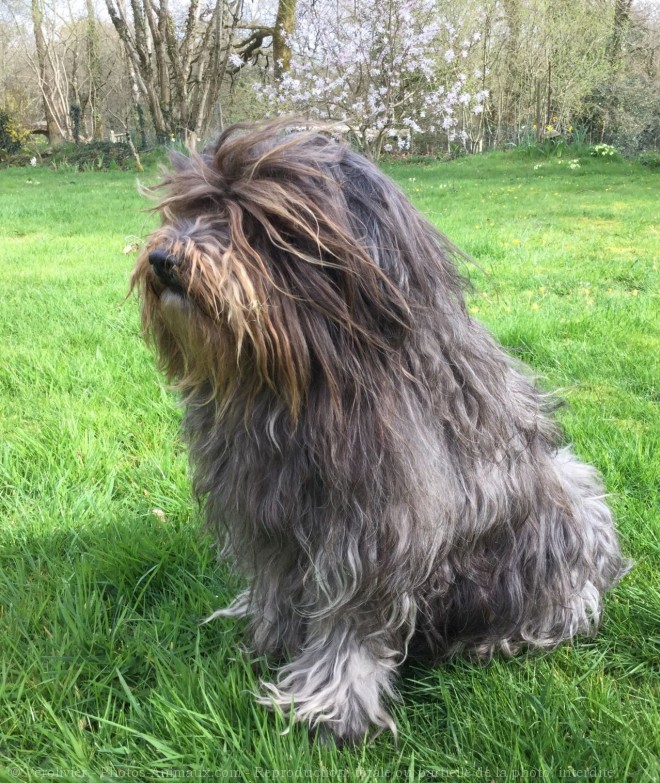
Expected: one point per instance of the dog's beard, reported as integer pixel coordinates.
(205, 320)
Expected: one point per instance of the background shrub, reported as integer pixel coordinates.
(12, 136)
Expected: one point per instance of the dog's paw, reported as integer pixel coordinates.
(345, 712)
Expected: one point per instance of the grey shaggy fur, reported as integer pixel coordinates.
(380, 470)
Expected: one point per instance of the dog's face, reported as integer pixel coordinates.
(202, 303)
(281, 258)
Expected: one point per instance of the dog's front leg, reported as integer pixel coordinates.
(339, 680)
(274, 628)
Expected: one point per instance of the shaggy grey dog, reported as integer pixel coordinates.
(374, 463)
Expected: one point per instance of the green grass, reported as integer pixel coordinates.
(105, 673)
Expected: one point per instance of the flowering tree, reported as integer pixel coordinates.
(383, 69)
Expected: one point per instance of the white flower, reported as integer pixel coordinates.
(33, 161)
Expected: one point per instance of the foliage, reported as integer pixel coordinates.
(650, 159)
(12, 136)
(95, 156)
(108, 675)
(624, 107)
(17, 159)
(556, 145)
(603, 151)
(545, 56)
(75, 114)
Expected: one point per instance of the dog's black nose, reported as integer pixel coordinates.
(164, 266)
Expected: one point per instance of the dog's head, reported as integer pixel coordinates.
(283, 257)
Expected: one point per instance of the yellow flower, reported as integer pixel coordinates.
(535, 306)
(570, 128)
(634, 292)
(549, 128)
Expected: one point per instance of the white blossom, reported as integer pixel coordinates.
(384, 68)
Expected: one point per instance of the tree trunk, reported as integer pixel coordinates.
(137, 51)
(511, 96)
(548, 111)
(619, 27)
(540, 127)
(56, 134)
(284, 26)
(95, 73)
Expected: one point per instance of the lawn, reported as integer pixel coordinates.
(106, 674)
